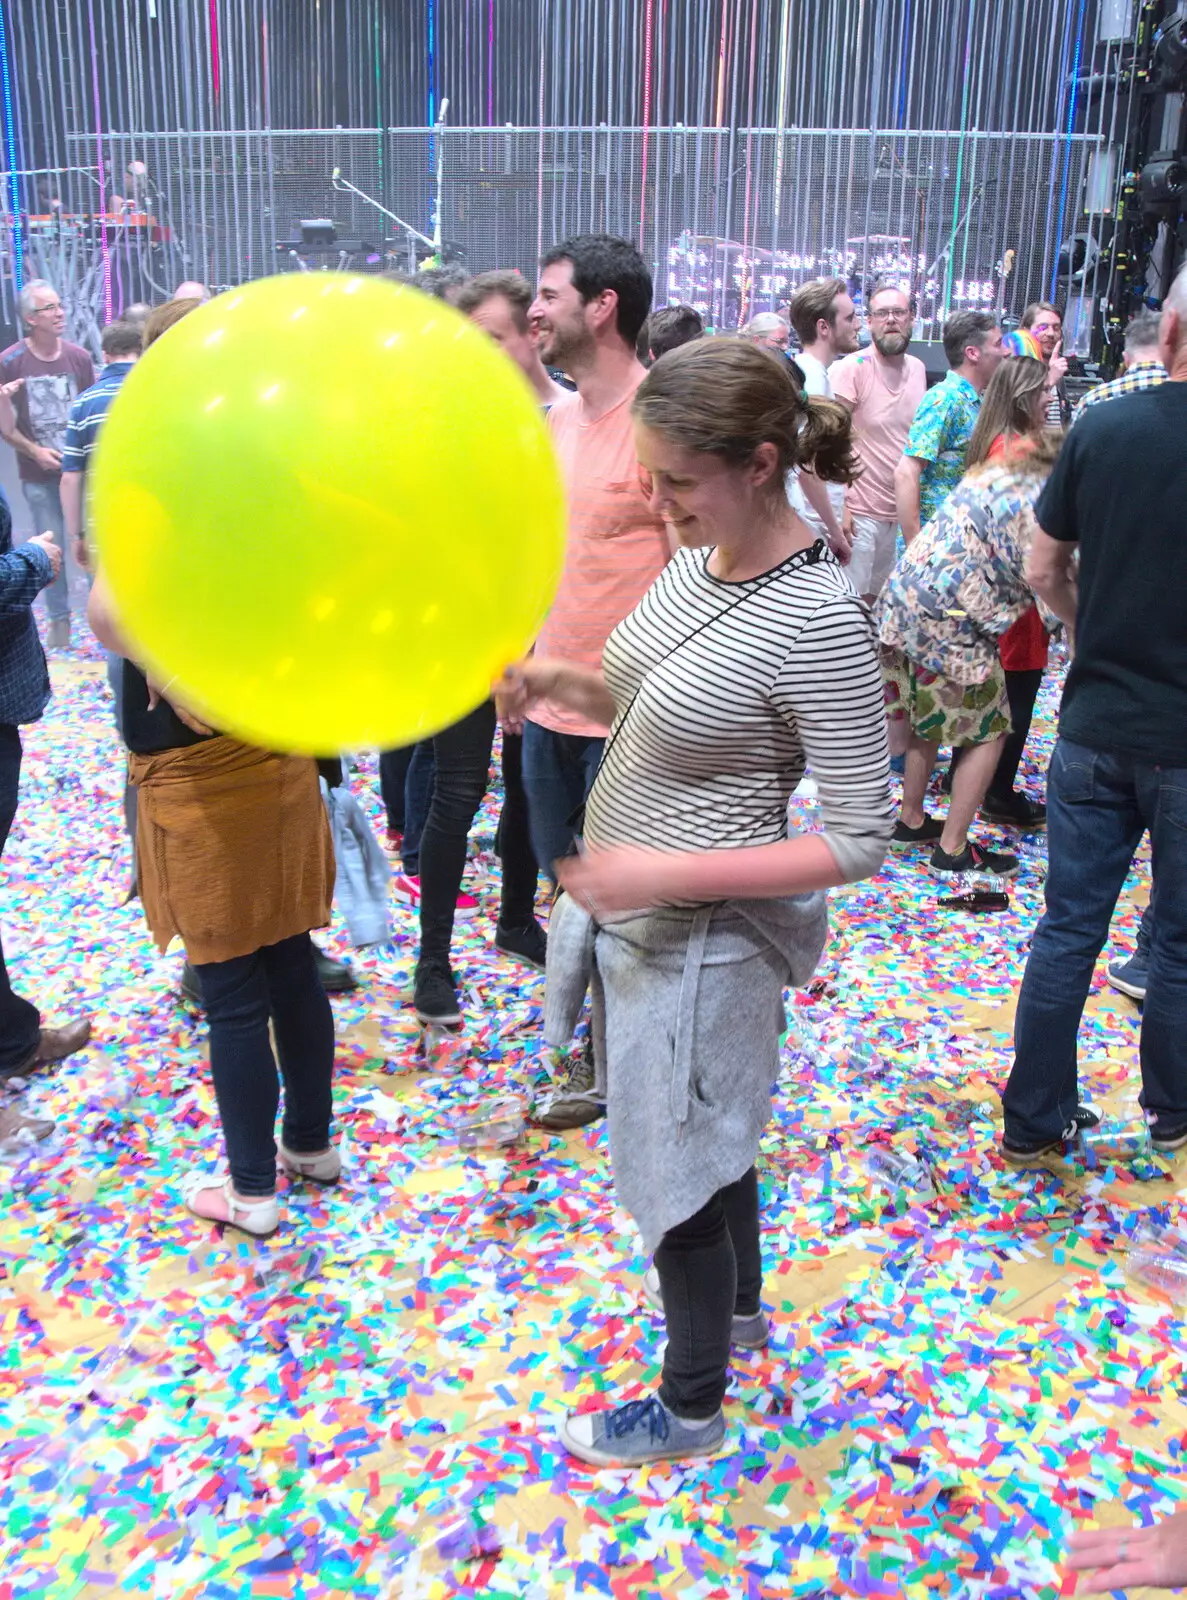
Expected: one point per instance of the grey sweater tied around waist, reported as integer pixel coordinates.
(687, 1013)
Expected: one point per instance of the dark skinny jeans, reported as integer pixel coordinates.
(279, 984)
(710, 1271)
(462, 756)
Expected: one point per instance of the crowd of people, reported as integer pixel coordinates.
(785, 554)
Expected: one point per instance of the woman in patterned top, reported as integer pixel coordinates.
(1014, 410)
(957, 589)
(692, 909)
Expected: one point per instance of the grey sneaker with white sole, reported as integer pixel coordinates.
(639, 1432)
(746, 1333)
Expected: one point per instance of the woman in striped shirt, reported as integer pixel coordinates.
(691, 909)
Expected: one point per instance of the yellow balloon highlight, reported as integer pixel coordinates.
(329, 512)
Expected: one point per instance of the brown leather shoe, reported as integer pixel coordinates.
(14, 1122)
(54, 1044)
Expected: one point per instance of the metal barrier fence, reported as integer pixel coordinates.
(730, 219)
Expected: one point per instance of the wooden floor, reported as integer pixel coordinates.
(950, 1388)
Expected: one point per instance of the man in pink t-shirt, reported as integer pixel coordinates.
(593, 297)
(882, 386)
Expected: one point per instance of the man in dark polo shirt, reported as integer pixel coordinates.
(1118, 495)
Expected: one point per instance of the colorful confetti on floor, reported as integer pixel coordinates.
(365, 1404)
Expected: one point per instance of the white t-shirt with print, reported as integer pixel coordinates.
(817, 383)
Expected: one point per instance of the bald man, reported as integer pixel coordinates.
(191, 290)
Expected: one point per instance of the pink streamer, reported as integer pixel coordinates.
(214, 65)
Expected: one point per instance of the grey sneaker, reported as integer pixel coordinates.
(1128, 976)
(639, 1432)
(573, 1101)
(746, 1333)
(58, 634)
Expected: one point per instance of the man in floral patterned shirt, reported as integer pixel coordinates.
(933, 458)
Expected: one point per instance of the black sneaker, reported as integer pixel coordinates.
(336, 977)
(1128, 976)
(529, 944)
(1014, 811)
(1165, 1137)
(975, 858)
(434, 996)
(928, 831)
(1023, 1150)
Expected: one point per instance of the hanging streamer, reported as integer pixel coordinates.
(106, 253)
(1073, 82)
(215, 66)
(648, 23)
(12, 155)
(745, 145)
(958, 196)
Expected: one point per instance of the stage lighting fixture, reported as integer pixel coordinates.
(1078, 258)
(1170, 54)
(318, 233)
(1162, 184)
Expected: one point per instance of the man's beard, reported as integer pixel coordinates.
(891, 344)
(560, 346)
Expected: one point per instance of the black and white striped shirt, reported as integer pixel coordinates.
(731, 689)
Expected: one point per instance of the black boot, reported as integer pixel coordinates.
(336, 977)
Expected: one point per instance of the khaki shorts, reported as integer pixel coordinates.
(940, 711)
(872, 561)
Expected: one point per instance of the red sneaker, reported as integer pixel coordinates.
(408, 890)
(393, 841)
(467, 905)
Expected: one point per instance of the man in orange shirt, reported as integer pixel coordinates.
(593, 297)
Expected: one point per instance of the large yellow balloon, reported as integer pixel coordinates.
(329, 512)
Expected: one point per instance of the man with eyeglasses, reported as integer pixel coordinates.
(882, 386)
(42, 374)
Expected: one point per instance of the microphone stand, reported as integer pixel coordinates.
(343, 186)
(963, 223)
(439, 129)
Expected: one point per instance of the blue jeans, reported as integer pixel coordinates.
(1098, 805)
(1145, 938)
(558, 773)
(278, 983)
(45, 505)
(20, 1022)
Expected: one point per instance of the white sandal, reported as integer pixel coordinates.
(325, 1167)
(257, 1217)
